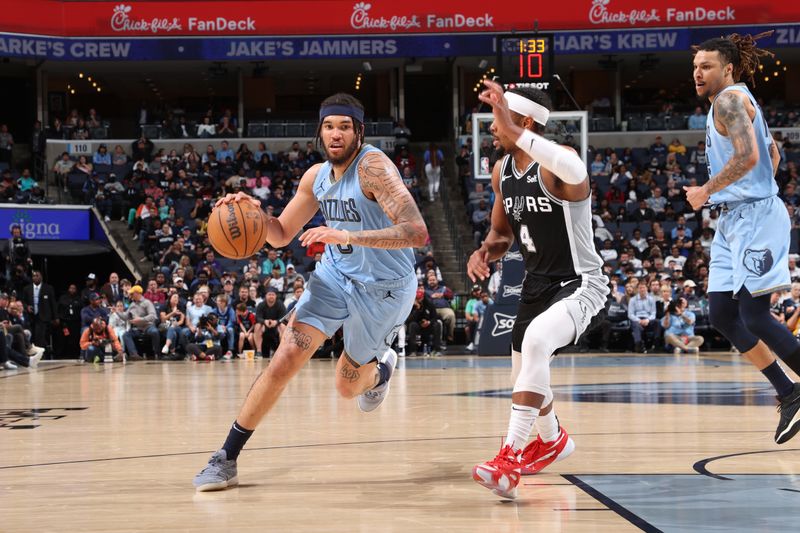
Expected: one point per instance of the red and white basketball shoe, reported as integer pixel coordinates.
(501, 474)
(539, 454)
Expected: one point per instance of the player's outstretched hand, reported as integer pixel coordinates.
(478, 265)
(229, 198)
(696, 196)
(493, 95)
(323, 234)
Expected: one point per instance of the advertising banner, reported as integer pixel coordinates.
(348, 17)
(45, 223)
(366, 47)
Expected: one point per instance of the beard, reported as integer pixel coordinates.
(345, 155)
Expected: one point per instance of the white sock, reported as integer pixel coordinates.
(520, 425)
(547, 425)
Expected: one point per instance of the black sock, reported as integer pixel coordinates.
(775, 374)
(385, 372)
(237, 438)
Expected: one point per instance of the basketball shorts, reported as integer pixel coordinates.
(588, 292)
(751, 248)
(370, 314)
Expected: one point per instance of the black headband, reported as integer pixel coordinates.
(341, 109)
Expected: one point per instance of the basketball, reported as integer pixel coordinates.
(237, 230)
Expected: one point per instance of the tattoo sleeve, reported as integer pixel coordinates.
(730, 111)
(380, 179)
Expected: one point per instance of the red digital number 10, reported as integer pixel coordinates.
(533, 69)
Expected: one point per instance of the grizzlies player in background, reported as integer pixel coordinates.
(542, 201)
(749, 254)
(365, 283)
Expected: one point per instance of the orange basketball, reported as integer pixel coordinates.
(237, 230)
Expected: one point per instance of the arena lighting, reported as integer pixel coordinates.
(72, 91)
(98, 89)
(88, 78)
(80, 74)
(94, 84)
(367, 66)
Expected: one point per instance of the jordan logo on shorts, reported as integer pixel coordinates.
(759, 262)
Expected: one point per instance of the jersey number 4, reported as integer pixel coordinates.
(525, 238)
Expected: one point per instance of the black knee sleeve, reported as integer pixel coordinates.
(757, 318)
(724, 317)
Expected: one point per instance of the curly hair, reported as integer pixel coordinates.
(739, 50)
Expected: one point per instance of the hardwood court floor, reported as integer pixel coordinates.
(670, 443)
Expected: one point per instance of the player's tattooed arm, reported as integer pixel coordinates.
(380, 180)
(775, 155)
(730, 112)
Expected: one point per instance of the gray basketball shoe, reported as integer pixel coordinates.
(370, 400)
(219, 473)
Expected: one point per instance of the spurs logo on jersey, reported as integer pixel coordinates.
(554, 236)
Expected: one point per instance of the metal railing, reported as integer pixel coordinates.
(454, 231)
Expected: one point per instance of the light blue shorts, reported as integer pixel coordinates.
(751, 248)
(371, 314)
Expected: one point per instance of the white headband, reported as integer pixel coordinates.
(528, 108)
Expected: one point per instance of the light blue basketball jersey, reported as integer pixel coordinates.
(345, 207)
(760, 181)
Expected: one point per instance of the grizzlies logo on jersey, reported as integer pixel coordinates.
(759, 262)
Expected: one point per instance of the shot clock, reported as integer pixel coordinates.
(525, 59)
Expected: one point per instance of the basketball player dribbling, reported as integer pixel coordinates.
(750, 250)
(543, 202)
(365, 284)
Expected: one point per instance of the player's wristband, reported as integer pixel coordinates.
(565, 164)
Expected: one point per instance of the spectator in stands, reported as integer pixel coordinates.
(423, 321)
(794, 270)
(480, 222)
(405, 159)
(411, 183)
(246, 323)
(608, 252)
(118, 320)
(277, 201)
(642, 315)
(142, 149)
(473, 312)
(6, 145)
(433, 157)
(62, 168)
(658, 149)
(226, 324)
(271, 261)
(98, 339)
(598, 166)
(101, 156)
(226, 128)
(657, 203)
(119, 157)
(425, 265)
(689, 292)
(441, 296)
(621, 177)
(92, 310)
(678, 324)
(225, 152)
(698, 159)
(676, 147)
(269, 329)
(204, 345)
(141, 315)
(154, 294)
(478, 194)
(402, 134)
(697, 120)
(291, 276)
(84, 166)
(206, 129)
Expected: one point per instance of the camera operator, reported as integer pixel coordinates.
(678, 325)
(99, 338)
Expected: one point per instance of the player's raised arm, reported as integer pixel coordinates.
(499, 238)
(380, 180)
(564, 163)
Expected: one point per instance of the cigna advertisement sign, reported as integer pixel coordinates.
(84, 18)
(46, 224)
